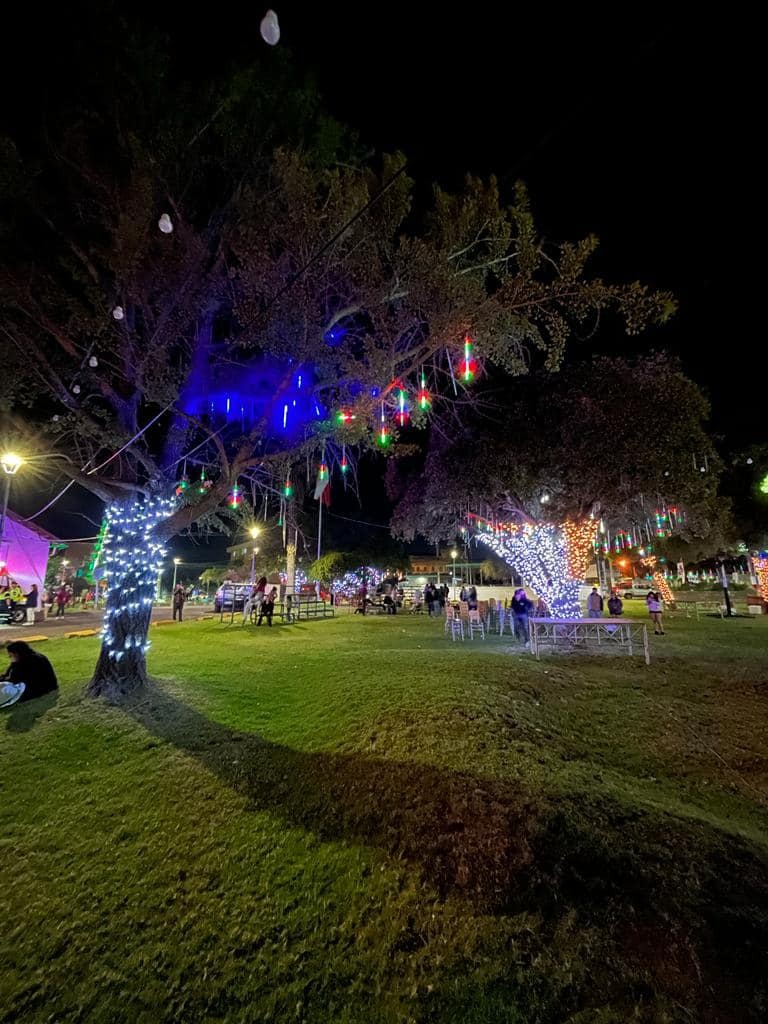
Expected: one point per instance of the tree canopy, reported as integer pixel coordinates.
(613, 437)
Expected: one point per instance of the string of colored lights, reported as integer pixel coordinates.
(761, 571)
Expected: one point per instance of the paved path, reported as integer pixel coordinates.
(72, 620)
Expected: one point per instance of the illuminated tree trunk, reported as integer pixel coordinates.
(132, 561)
(290, 546)
(551, 559)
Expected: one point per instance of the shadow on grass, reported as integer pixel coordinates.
(680, 902)
(24, 716)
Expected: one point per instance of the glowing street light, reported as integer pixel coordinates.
(176, 564)
(254, 532)
(11, 463)
(454, 556)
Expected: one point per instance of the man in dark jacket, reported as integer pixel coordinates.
(31, 668)
(521, 607)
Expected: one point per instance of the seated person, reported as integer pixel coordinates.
(31, 668)
(267, 607)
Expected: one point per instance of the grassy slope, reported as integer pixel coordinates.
(357, 821)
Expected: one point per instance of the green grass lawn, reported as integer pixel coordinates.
(357, 821)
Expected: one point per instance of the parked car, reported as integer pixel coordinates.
(223, 598)
(639, 589)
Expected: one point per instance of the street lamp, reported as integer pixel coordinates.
(454, 556)
(176, 564)
(11, 463)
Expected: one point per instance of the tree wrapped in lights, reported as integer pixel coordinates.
(257, 290)
(761, 571)
(132, 557)
(550, 558)
(554, 459)
(352, 582)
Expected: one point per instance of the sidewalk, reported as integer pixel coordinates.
(72, 620)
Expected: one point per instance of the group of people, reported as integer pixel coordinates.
(653, 602)
(261, 601)
(435, 598)
(13, 598)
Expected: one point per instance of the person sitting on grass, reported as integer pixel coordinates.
(28, 670)
(267, 607)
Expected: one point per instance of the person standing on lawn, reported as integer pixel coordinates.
(179, 597)
(521, 607)
(594, 604)
(615, 605)
(655, 608)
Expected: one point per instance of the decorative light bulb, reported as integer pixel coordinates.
(118, 313)
(270, 28)
(75, 389)
(165, 224)
(93, 362)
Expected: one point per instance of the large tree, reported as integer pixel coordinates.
(611, 441)
(191, 319)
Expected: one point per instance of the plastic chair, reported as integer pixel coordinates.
(476, 624)
(453, 623)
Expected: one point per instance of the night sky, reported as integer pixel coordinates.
(631, 125)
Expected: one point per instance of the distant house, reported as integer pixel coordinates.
(24, 552)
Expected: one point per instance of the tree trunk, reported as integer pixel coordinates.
(133, 559)
(290, 547)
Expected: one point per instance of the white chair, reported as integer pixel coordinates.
(453, 623)
(476, 624)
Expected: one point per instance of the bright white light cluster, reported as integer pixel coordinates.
(300, 578)
(132, 559)
(351, 583)
(539, 554)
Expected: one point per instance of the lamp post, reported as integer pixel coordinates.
(454, 556)
(11, 464)
(254, 532)
(176, 564)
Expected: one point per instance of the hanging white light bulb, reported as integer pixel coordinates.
(93, 362)
(165, 224)
(56, 418)
(75, 389)
(118, 313)
(270, 28)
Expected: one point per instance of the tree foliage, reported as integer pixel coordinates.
(614, 437)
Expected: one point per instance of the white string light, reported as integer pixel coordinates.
(118, 313)
(165, 224)
(540, 555)
(132, 558)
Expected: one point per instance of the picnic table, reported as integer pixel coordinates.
(623, 634)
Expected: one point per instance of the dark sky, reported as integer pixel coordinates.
(633, 125)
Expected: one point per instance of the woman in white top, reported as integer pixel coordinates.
(655, 609)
